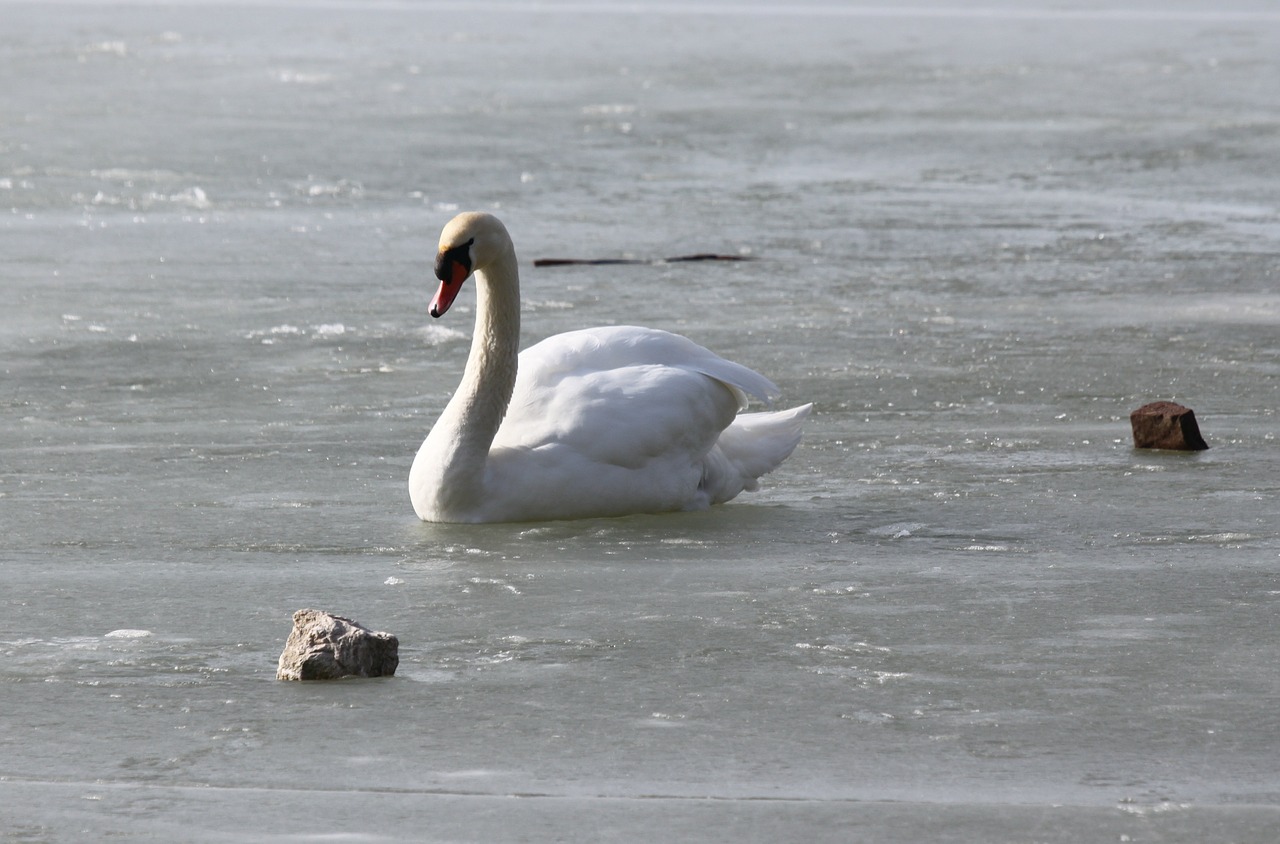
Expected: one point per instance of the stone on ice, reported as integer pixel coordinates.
(324, 646)
(1166, 424)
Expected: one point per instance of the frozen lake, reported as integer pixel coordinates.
(965, 610)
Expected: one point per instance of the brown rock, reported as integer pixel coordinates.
(323, 646)
(1166, 424)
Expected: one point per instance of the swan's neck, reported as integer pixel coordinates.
(463, 435)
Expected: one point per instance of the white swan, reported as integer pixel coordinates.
(598, 422)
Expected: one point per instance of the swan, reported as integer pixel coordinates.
(597, 422)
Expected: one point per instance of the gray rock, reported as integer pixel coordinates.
(1166, 424)
(323, 646)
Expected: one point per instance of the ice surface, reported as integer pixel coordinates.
(965, 610)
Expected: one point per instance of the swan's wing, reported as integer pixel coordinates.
(626, 345)
(624, 396)
(668, 349)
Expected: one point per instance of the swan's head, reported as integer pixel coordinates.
(470, 242)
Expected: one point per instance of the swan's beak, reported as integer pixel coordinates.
(451, 274)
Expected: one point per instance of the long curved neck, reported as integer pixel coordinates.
(466, 428)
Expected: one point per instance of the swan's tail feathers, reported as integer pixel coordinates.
(754, 445)
(740, 380)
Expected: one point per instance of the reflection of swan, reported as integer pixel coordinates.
(598, 422)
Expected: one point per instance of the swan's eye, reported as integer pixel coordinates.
(456, 256)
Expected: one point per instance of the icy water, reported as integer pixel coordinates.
(965, 610)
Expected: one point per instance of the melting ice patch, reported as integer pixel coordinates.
(897, 530)
(491, 581)
(268, 336)
(609, 108)
(104, 48)
(301, 77)
(535, 305)
(436, 335)
(192, 197)
(340, 188)
(1220, 537)
(127, 633)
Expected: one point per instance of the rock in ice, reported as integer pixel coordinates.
(324, 646)
(1166, 424)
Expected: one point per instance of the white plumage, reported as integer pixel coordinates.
(598, 422)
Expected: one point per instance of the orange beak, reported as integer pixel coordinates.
(451, 274)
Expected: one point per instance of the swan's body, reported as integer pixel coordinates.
(598, 422)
